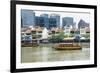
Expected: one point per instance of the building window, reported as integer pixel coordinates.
(40, 32)
(53, 32)
(33, 32)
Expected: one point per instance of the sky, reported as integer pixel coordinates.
(76, 13)
(76, 16)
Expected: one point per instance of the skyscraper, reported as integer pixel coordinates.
(67, 21)
(27, 18)
(52, 23)
(56, 17)
(46, 20)
(82, 24)
(39, 21)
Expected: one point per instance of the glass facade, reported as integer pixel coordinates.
(39, 21)
(67, 21)
(56, 17)
(52, 22)
(82, 24)
(27, 18)
(46, 20)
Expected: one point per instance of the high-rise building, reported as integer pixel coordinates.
(46, 20)
(39, 21)
(52, 23)
(27, 18)
(67, 21)
(82, 24)
(44, 15)
(56, 17)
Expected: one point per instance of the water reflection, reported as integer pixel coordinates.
(47, 53)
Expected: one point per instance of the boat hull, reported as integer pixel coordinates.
(29, 45)
(68, 48)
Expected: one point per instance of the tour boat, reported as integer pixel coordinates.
(66, 46)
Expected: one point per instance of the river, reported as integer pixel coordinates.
(45, 53)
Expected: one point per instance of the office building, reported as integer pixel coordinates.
(27, 18)
(67, 21)
(56, 17)
(45, 19)
(39, 21)
(82, 24)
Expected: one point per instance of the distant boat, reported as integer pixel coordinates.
(29, 44)
(66, 46)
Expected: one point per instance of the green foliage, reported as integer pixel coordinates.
(71, 35)
(65, 36)
(87, 36)
(36, 36)
(56, 38)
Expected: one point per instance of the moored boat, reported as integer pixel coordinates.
(29, 45)
(66, 46)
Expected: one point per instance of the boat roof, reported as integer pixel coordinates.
(65, 43)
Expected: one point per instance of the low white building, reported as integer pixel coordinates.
(45, 33)
(82, 31)
(37, 32)
(67, 30)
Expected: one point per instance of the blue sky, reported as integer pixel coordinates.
(76, 16)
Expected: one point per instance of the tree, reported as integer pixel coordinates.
(56, 38)
(87, 36)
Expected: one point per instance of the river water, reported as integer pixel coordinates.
(45, 53)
